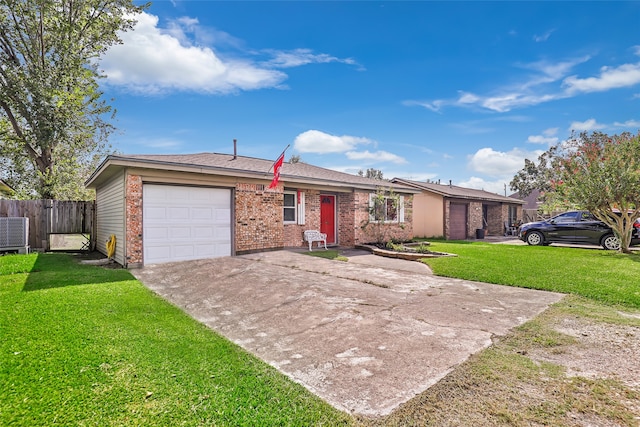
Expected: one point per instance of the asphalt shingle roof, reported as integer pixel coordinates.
(457, 192)
(261, 168)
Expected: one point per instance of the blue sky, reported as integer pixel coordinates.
(460, 91)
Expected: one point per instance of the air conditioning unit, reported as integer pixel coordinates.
(14, 234)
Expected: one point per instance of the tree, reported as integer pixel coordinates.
(543, 177)
(295, 158)
(601, 173)
(596, 172)
(384, 207)
(371, 173)
(53, 122)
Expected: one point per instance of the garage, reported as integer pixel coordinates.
(183, 223)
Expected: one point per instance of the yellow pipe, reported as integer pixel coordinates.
(111, 246)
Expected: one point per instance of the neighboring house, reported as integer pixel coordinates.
(164, 208)
(456, 213)
(5, 190)
(531, 201)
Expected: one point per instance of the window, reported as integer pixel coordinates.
(293, 207)
(513, 215)
(566, 217)
(386, 208)
(290, 207)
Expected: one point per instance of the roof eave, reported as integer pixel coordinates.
(456, 196)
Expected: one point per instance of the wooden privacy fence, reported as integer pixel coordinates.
(47, 217)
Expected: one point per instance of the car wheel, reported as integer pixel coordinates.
(535, 238)
(610, 242)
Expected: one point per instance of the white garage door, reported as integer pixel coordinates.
(185, 223)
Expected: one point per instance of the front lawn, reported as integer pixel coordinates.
(605, 276)
(86, 345)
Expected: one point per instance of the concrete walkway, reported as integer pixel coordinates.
(365, 335)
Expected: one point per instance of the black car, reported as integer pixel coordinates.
(574, 227)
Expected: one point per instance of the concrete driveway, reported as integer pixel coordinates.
(365, 335)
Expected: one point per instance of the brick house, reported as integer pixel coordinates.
(164, 208)
(456, 213)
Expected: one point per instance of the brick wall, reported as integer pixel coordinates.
(367, 231)
(258, 216)
(474, 219)
(347, 219)
(293, 232)
(496, 216)
(133, 220)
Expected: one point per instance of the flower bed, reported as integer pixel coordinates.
(403, 251)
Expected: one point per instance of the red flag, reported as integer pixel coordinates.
(276, 171)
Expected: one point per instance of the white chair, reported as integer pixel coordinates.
(315, 236)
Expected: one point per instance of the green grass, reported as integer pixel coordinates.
(86, 345)
(328, 254)
(605, 276)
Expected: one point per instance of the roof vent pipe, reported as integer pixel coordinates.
(235, 149)
(450, 185)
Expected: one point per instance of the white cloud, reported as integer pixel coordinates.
(610, 78)
(377, 156)
(315, 141)
(500, 163)
(543, 37)
(298, 57)
(587, 125)
(628, 124)
(548, 137)
(549, 81)
(540, 139)
(152, 60)
(468, 98)
(509, 101)
(432, 105)
(413, 176)
(497, 187)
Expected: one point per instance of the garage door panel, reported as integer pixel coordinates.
(184, 223)
(156, 233)
(154, 212)
(177, 213)
(180, 233)
(184, 251)
(221, 232)
(223, 216)
(202, 213)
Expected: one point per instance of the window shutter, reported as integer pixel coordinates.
(401, 208)
(301, 207)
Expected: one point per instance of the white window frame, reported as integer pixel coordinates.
(298, 207)
(294, 208)
(400, 209)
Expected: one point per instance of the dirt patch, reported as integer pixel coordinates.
(577, 364)
(601, 350)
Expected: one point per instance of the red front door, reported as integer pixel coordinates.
(328, 217)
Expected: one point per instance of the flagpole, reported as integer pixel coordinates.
(281, 154)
